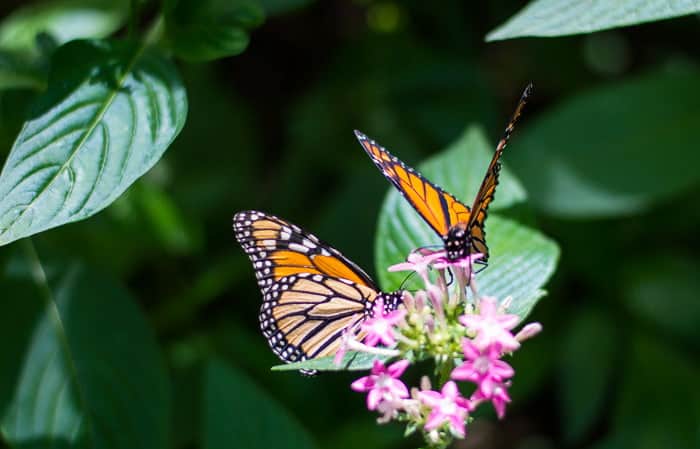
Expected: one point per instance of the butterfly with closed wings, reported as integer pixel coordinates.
(461, 228)
(311, 293)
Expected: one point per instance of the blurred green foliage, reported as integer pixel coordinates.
(137, 327)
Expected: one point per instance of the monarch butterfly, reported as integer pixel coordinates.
(311, 292)
(461, 228)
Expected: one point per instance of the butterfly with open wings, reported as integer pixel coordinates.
(311, 293)
(460, 227)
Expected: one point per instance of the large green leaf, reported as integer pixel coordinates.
(587, 363)
(237, 413)
(64, 20)
(658, 404)
(564, 17)
(110, 112)
(664, 290)
(521, 258)
(614, 150)
(352, 361)
(17, 71)
(210, 29)
(80, 367)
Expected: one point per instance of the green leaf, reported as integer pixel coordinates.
(109, 114)
(534, 365)
(563, 17)
(614, 150)
(663, 290)
(205, 30)
(352, 361)
(279, 7)
(521, 258)
(80, 367)
(522, 261)
(657, 405)
(165, 219)
(237, 413)
(364, 433)
(17, 72)
(64, 20)
(587, 363)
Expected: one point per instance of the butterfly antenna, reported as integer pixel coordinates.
(514, 119)
(452, 277)
(406, 280)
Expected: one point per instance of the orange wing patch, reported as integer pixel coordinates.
(278, 249)
(335, 267)
(438, 208)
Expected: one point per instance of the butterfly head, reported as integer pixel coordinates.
(456, 243)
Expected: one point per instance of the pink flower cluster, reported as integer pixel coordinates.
(482, 356)
(485, 338)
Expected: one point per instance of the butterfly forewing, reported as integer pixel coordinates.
(278, 248)
(438, 208)
(487, 190)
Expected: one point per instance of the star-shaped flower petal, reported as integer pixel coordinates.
(447, 406)
(383, 383)
(491, 326)
(380, 327)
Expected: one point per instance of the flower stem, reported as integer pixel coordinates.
(443, 370)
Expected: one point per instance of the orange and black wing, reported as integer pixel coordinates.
(311, 292)
(438, 208)
(278, 248)
(487, 191)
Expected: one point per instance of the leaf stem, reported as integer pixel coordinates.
(155, 31)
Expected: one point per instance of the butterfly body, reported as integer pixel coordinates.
(460, 227)
(312, 294)
(457, 243)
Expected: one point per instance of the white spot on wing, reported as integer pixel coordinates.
(298, 247)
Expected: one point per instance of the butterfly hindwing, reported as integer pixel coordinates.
(438, 208)
(303, 316)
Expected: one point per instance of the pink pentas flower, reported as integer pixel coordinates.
(499, 398)
(491, 326)
(484, 368)
(380, 327)
(528, 331)
(419, 261)
(447, 406)
(383, 383)
(464, 263)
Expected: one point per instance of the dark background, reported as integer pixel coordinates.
(271, 129)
